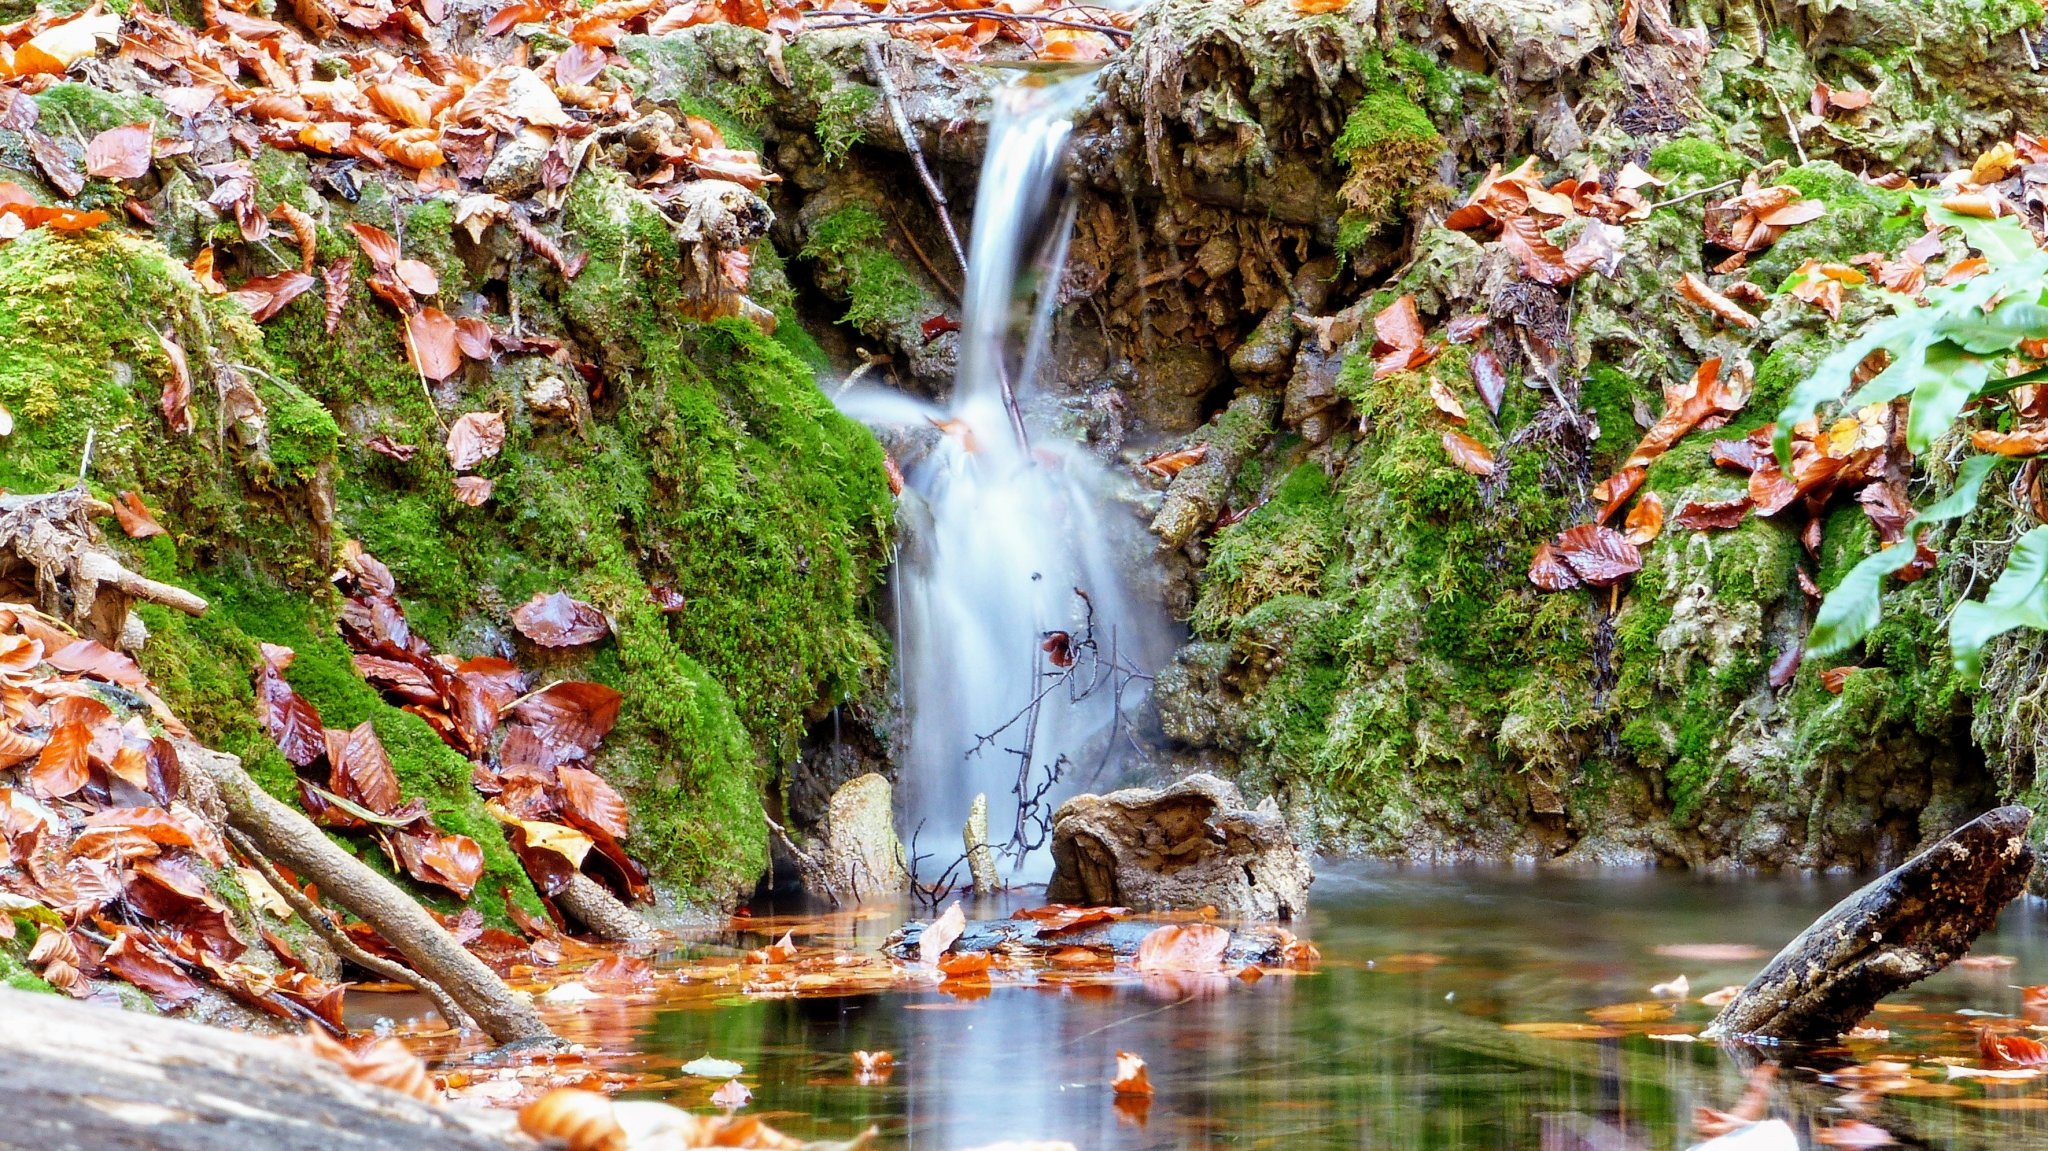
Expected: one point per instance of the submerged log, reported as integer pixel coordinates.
(1901, 928)
(91, 1077)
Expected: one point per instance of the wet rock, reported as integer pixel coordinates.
(1194, 844)
(550, 396)
(1312, 393)
(858, 856)
(1199, 493)
(1121, 937)
(1267, 355)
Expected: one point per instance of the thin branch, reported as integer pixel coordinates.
(1695, 195)
(316, 917)
(844, 21)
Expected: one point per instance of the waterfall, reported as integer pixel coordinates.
(1008, 547)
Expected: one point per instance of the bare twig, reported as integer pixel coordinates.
(840, 20)
(1725, 184)
(917, 249)
(316, 917)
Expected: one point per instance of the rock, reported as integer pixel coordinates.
(550, 396)
(1267, 355)
(1194, 844)
(1537, 39)
(861, 856)
(981, 858)
(515, 171)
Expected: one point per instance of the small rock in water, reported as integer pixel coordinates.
(981, 858)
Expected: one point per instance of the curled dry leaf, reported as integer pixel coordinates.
(732, 1096)
(135, 518)
(941, 933)
(556, 619)
(1468, 453)
(1694, 290)
(1446, 402)
(1645, 520)
(583, 1120)
(2010, 1050)
(1172, 463)
(474, 437)
(1131, 1077)
(1835, 678)
(176, 403)
(1398, 344)
(473, 490)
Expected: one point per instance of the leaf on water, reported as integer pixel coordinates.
(473, 438)
(1565, 1030)
(732, 1096)
(582, 1120)
(1469, 454)
(941, 933)
(1183, 947)
(135, 518)
(551, 619)
(1678, 988)
(2004, 1051)
(120, 153)
(1055, 918)
(1853, 1133)
(709, 1068)
(622, 974)
(1598, 555)
(1645, 520)
(1131, 1077)
(1644, 1012)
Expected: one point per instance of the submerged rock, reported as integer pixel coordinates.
(1193, 844)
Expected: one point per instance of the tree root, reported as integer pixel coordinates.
(52, 536)
(600, 912)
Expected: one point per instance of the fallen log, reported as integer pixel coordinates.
(223, 791)
(84, 1076)
(1900, 928)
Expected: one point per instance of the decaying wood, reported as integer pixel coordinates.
(587, 902)
(1901, 928)
(291, 839)
(85, 1076)
(48, 543)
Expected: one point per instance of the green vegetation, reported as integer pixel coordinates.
(848, 248)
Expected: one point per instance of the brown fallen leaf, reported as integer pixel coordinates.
(1717, 515)
(1549, 572)
(1489, 379)
(557, 620)
(1645, 520)
(1598, 555)
(1694, 290)
(120, 153)
(1183, 947)
(473, 438)
(433, 343)
(732, 1096)
(1446, 402)
(1170, 464)
(1834, 678)
(1131, 1078)
(1398, 343)
(135, 518)
(473, 490)
(1468, 453)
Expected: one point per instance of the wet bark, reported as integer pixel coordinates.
(80, 1076)
(1899, 929)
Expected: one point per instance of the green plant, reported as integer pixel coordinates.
(1942, 356)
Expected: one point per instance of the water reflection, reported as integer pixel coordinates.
(1398, 1041)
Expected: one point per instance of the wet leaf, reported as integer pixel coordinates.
(1398, 344)
(287, 718)
(1469, 454)
(1131, 1077)
(266, 296)
(1551, 573)
(965, 964)
(938, 326)
(475, 437)
(1999, 1051)
(1058, 647)
(361, 768)
(1645, 520)
(570, 716)
(63, 767)
(588, 801)
(432, 856)
(120, 153)
(1598, 555)
(554, 619)
(1183, 947)
(176, 403)
(1055, 918)
(940, 934)
(1713, 515)
(1489, 378)
(135, 959)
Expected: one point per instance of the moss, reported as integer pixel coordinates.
(1281, 549)
(848, 246)
(1390, 147)
(1702, 160)
(85, 111)
(838, 128)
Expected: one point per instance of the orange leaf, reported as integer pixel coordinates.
(1131, 1076)
(1183, 947)
(432, 343)
(62, 770)
(1469, 454)
(135, 518)
(120, 153)
(1169, 464)
(1645, 520)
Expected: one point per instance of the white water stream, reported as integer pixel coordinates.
(997, 538)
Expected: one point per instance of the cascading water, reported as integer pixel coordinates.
(1021, 642)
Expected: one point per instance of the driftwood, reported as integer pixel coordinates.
(1120, 937)
(222, 790)
(89, 1077)
(1901, 928)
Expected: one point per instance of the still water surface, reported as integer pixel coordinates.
(1397, 1041)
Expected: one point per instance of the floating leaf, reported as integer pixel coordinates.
(1131, 1077)
(1183, 947)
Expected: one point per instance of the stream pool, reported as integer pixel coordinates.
(1417, 1029)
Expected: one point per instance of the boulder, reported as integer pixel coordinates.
(861, 858)
(1193, 844)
